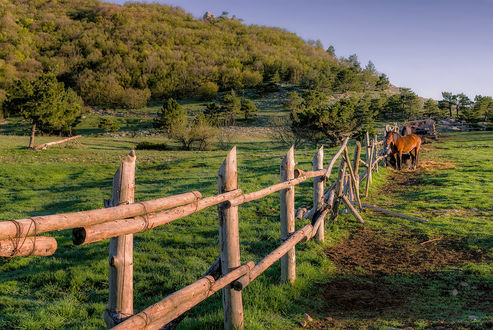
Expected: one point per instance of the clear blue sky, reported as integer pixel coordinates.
(428, 45)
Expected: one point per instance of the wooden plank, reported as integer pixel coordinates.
(87, 218)
(229, 242)
(120, 301)
(288, 261)
(318, 190)
(95, 233)
(28, 246)
(271, 258)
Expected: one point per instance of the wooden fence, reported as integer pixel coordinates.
(121, 218)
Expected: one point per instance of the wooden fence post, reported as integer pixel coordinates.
(357, 155)
(376, 151)
(288, 261)
(370, 166)
(229, 242)
(318, 189)
(120, 302)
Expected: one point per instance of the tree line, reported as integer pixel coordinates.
(123, 56)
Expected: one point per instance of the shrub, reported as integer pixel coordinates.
(208, 91)
(199, 132)
(108, 124)
(145, 145)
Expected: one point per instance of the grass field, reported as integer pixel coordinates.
(453, 189)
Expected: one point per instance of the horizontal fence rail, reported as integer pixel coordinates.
(122, 218)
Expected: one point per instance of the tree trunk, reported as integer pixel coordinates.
(31, 141)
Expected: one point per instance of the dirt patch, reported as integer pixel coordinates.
(379, 252)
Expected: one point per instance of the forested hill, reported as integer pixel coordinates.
(122, 56)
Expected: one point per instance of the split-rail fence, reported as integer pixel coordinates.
(121, 218)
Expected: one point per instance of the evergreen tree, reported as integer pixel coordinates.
(247, 107)
(448, 102)
(46, 105)
(463, 104)
(431, 109)
(171, 114)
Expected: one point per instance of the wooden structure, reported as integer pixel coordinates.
(425, 128)
(122, 218)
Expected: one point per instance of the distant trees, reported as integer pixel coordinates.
(46, 104)
(114, 58)
(481, 109)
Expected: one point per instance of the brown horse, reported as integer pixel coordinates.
(400, 144)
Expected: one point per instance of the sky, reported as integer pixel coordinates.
(429, 46)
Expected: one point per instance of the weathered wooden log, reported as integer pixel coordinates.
(319, 221)
(120, 280)
(397, 214)
(334, 158)
(28, 246)
(353, 177)
(229, 242)
(86, 218)
(376, 143)
(46, 145)
(95, 233)
(356, 160)
(265, 192)
(288, 262)
(318, 189)
(363, 162)
(285, 247)
(369, 176)
(162, 312)
(352, 209)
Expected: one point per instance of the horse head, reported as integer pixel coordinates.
(389, 138)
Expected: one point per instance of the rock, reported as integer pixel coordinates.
(454, 292)
(308, 317)
(464, 284)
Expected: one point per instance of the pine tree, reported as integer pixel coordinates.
(171, 114)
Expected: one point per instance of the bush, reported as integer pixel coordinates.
(199, 132)
(108, 124)
(208, 91)
(145, 145)
(247, 107)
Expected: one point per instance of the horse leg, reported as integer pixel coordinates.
(413, 158)
(400, 160)
(417, 155)
(396, 162)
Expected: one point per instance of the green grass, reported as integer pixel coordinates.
(69, 289)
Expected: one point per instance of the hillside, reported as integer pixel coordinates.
(124, 56)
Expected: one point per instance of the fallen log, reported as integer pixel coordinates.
(46, 145)
(43, 224)
(99, 232)
(166, 310)
(28, 246)
(376, 208)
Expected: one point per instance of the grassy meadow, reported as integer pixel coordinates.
(453, 189)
